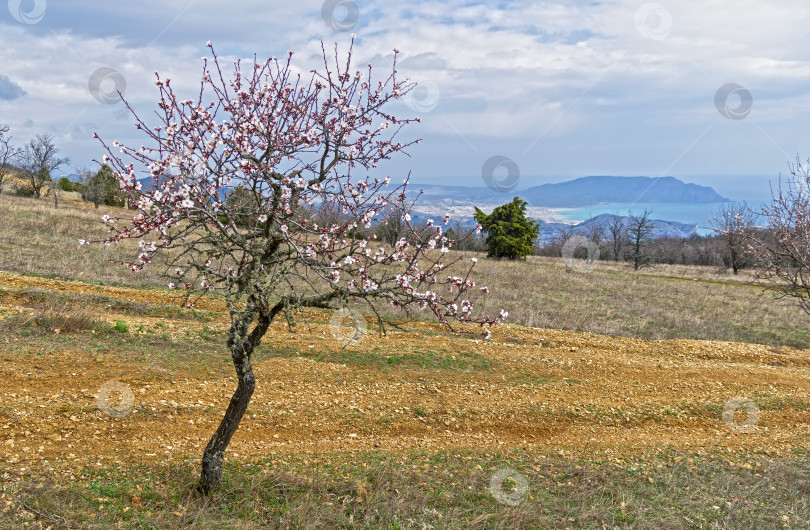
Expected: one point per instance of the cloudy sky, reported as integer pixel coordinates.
(713, 91)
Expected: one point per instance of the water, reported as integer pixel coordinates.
(698, 214)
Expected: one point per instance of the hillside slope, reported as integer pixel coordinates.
(415, 388)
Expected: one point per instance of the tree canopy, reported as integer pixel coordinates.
(782, 248)
(510, 234)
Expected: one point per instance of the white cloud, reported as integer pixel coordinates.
(506, 73)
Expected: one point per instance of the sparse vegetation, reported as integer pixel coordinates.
(658, 302)
(441, 389)
(423, 490)
(24, 191)
(51, 318)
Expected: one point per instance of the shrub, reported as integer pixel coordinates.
(121, 326)
(25, 191)
(56, 318)
(510, 234)
(65, 184)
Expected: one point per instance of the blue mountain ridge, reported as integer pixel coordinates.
(579, 192)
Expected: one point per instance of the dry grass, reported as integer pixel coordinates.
(660, 302)
(394, 489)
(40, 240)
(426, 490)
(56, 318)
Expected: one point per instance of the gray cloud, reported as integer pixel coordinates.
(9, 90)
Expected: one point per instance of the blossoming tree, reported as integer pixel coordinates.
(243, 176)
(782, 247)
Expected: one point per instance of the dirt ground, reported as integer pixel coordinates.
(549, 390)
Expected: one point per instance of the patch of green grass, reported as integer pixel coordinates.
(207, 334)
(767, 401)
(422, 489)
(531, 379)
(415, 359)
(121, 326)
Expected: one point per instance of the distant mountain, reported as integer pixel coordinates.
(460, 201)
(661, 228)
(588, 191)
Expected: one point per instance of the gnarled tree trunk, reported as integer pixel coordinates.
(241, 345)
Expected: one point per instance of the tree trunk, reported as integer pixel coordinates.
(241, 345)
(214, 454)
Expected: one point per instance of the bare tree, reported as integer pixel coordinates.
(782, 248)
(639, 234)
(731, 223)
(466, 239)
(38, 159)
(617, 230)
(296, 145)
(596, 231)
(8, 154)
(53, 188)
(392, 226)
